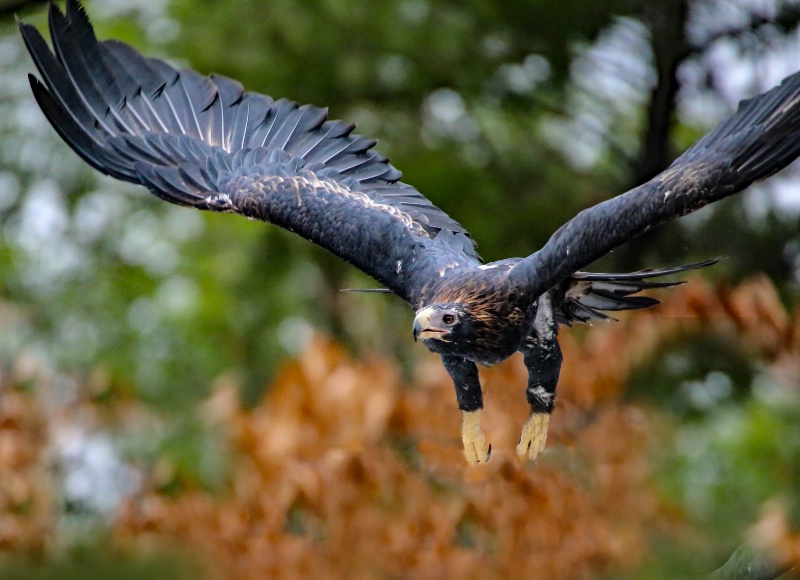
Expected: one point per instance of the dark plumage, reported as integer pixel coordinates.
(207, 143)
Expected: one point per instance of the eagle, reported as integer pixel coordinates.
(205, 142)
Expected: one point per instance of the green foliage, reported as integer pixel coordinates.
(691, 386)
(720, 473)
(730, 445)
(99, 562)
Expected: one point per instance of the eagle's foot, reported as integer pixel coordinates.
(534, 436)
(474, 440)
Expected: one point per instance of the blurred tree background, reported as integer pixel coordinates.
(121, 315)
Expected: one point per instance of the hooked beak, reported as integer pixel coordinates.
(422, 325)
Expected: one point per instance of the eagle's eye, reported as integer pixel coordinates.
(448, 319)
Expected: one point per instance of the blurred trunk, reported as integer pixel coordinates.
(667, 22)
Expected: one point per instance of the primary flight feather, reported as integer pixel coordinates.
(205, 142)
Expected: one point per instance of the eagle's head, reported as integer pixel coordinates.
(470, 330)
(449, 323)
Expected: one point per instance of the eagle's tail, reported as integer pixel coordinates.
(585, 295)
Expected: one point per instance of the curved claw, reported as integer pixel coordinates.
(474, 440)
(534, 436)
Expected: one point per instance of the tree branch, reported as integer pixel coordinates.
(667, 25)
(786, 20)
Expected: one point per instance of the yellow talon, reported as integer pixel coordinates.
(474, 440)
(534, 436)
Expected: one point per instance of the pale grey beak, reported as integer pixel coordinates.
(422, 325)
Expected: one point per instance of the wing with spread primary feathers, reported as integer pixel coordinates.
(204, 142)
(762, 137)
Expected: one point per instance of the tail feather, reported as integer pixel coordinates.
(585, 296)
(646, 273)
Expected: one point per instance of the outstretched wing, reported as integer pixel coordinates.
(204, 142)
(587, 296)
(762, 137)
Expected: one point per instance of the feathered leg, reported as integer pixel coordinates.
(470, 400)
(542, 357)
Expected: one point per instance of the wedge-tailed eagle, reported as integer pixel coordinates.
(205, 142)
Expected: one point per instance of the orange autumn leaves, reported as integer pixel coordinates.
(349, 470)
(26, 511)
